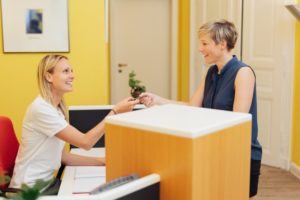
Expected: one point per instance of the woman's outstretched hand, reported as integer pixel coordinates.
(125, 105)
(149, 99)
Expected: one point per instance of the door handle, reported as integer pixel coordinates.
(122, 65)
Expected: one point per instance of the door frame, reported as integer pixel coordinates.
(173, 48)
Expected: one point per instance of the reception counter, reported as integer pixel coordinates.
(198, 153)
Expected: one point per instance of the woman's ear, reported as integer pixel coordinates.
(223, 44)
(48, 77)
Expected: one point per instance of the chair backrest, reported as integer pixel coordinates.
(9, 146)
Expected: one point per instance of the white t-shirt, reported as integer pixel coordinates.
(40, 152)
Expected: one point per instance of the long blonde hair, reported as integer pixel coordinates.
(47, 64)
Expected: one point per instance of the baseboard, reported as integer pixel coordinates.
(285, 163)
(295, 169)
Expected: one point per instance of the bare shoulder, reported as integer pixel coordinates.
(245, 77)
(245, 73)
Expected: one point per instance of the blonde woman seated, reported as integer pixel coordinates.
(46, 129)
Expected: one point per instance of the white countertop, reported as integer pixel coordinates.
(71, 172)
(68, 181)
(100, 107)
(179, 120)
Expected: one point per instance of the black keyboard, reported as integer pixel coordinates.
(115, 183)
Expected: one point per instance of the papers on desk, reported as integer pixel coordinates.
(87, 178)
(85, 185)
(86, 171)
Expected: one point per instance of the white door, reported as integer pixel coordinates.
(203, 11)
(141, 40)
(268, 38)
(268, 47)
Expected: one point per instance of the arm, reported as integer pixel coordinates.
(77, 160)
(197, 97)
(149, 99)
(86, 141)
(244, 87)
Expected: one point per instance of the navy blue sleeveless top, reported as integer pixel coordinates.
(219, 94)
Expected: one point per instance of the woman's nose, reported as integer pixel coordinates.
(72, 75)
(200, 49)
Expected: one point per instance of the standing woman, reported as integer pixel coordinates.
(46, 129)
(229, 85)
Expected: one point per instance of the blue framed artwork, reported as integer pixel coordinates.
(35, 26)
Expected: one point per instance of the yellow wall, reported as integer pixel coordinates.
(183, 50)
(296, 110)
(88, 55)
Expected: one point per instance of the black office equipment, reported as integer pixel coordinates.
(84, 118)
(115, 183)
(130, 188)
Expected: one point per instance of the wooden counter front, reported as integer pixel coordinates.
(212, 167)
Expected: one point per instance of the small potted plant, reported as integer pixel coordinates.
(31, 192)
(135, 85)
(26, 192)
(4, 180)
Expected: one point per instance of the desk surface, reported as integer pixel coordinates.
(179, 120)
(67, 185)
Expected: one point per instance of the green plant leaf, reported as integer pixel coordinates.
(131, 83)
(143, 89)
(4, 179)
(132, 74)
(31, 193)
(135, 84)
(40, 184)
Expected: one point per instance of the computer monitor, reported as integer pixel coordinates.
(84, 118)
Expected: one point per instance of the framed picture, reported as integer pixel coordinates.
(35, 25)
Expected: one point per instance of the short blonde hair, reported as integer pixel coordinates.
(47, 65)
(221, 30)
